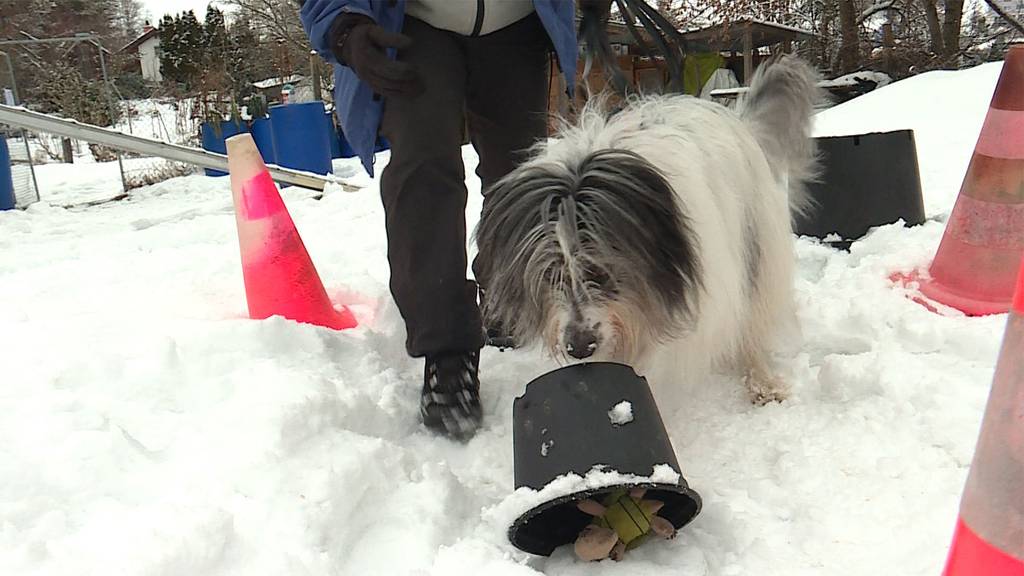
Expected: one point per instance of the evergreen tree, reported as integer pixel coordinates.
(246, 60)
(215, 40)
(170, 50)
(215, 35)
(182, 40)
(191, 37)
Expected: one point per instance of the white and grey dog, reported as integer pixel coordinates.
(659, 236)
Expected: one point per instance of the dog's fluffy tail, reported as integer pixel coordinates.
(778, 108)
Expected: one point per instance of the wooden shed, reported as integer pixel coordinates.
(742, 40)
(643, 72)
(736, 46)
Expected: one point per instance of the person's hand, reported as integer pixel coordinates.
(359, 43)
(600, 8)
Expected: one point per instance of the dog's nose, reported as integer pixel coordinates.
(581, 344)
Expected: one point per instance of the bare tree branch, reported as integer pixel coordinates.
(875, 9)
(1002, 14)
(934, 26)
(279, 17)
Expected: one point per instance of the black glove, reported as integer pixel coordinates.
(600, 8)
(359, 43)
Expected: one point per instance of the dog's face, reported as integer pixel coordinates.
(587, 321)
(593, 256)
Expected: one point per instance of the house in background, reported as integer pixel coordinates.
(715, 57)
(147, 46)
(299, 89)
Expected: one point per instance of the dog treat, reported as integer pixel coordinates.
(595, 543)
(651, 507)
(621, 522)
(663, 527)
(618, 551)
(592, 507)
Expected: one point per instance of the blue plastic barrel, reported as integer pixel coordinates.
(262, 131)
(300, 137)
(213, 139)
(346, 148)
(6, 182)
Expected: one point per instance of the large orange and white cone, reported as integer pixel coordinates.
(279, 276)
(989, 537)
(976, 263)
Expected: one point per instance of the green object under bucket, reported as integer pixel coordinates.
(563, 424)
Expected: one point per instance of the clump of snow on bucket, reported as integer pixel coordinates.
(524, 499)
(545, 447)
(621, 413)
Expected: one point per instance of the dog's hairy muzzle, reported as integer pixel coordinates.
(581, 341)
(595, 335)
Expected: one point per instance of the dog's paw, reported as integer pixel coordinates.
(765, 388)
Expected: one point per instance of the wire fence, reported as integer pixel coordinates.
(26, 190)
(95, 173)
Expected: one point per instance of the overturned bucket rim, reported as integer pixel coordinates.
(557, 522)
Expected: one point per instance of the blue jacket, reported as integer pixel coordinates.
(357, 111)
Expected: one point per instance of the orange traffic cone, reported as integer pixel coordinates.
(989, 537)
(279, 276)
(975, 265)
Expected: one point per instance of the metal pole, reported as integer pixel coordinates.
(15, 116)
(14, 81)
(31, 163)
(23, 133)
(314, 72)
(113, 109)
(33, 40)
(748, 54)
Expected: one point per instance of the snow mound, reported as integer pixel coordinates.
(945, 109)
(149, 427)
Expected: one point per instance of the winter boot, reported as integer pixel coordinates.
(450, 401)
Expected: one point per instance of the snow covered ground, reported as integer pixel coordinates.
(148, 427)
(160, 120)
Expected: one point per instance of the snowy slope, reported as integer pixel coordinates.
(148, 427)
(944, 109)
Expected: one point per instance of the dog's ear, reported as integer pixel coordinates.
(516, 247)
(634, 212)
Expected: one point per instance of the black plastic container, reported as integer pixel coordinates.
(561, 424)
(868, 180)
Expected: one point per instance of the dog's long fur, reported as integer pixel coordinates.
(658, 234)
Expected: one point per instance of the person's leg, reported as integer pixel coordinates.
(507, 95)
(507, 105)
(424, 193)
(424, 197)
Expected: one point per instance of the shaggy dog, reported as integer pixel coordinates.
(658, 236)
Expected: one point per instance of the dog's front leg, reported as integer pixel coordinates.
(763, 385)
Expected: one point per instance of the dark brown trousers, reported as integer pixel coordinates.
(497, 86)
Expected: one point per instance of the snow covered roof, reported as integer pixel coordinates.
(134, 44)
(857, 78)
(271, 82)
(618, 32)
(729, 36)
(867, 78)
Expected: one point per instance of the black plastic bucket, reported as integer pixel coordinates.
(562, 425)
(868, 180)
